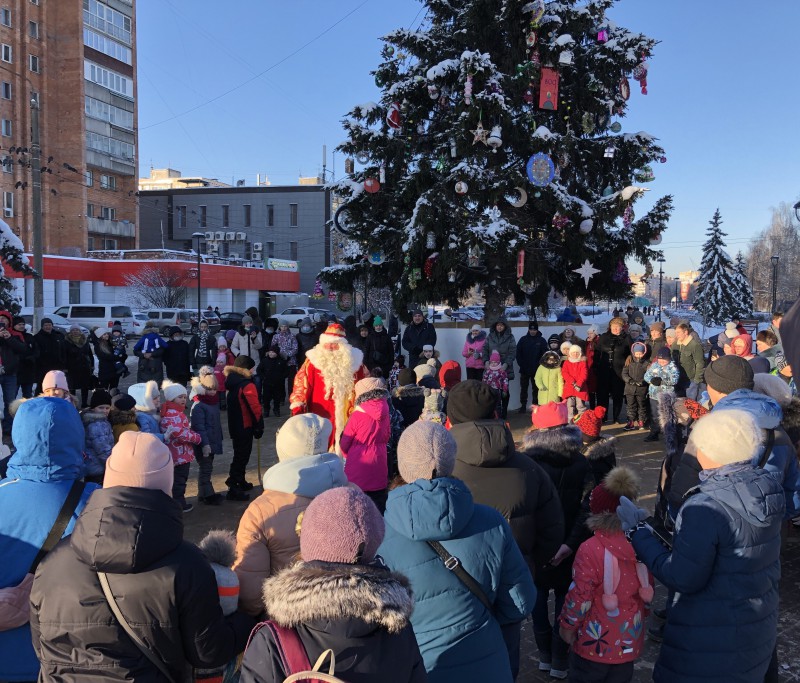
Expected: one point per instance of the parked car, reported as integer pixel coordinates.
(98, 315)
(213, 321)
(230, 320)
(294, 316)
(59, 323)
(165, 318)
(139, 320)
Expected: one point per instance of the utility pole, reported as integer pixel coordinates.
(38, 259)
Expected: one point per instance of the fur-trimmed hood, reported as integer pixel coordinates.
(604, 521)
(409, 391)
(203, 385)
(323, 591)
(234, 370)
(122, 417)
(562, 440)
(605, 448)
(88, 416)
(372, 395)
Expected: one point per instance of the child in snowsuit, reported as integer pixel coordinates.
(273, 370)
(554, 342)
(662, 376)
(119, 345)
(636, 387)
(399, 364)
(178, 437)
(497, 378)
(548, 378)
(365, 439)
(576, 377)
(606, 608)
(204, 418)
(99, 436)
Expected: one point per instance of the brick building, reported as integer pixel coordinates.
(79, 60)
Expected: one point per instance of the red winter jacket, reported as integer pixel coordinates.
(575, 373)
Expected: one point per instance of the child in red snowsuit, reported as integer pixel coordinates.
(575, 372)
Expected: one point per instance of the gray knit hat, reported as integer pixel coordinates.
(219, 547)
(426, 451)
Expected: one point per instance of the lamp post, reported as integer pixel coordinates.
(660, 283)
(198, 236)
(775, 260)
(677, 300)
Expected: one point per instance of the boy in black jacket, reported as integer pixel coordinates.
(635, 387)
(273, 371)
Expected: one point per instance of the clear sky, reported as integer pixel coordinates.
(724, 97)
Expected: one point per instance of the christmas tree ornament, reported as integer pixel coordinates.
(627, 217)
(462, 187)
(344, 301)
(480, 134)
(602, 34)
(586, 271)
(382, 174)
(624, 88)
(536, 8)
(536, 60)
(340, 220)
(362, 158)
(451, 275)
(433, 91)
(421, 128)
(656, 240)
(430, 240)
(404, 107)
(528, 96)
(640, 74)
(520, 200)
(388, 51)
(548, 89)
(372, 185)
(495, 139)
(616, 127)
(375, 258)
(662, 160)
(609, 153)
(560, 221)
(585, 226)
(644, 175)
(468, 90)
(378, 80)
(453, 150)
(587, 123)
(441, 164)
(520, 263)
(566, 58)
(602, 121)
(349, 166)
(428, 265)
(620, 274)
(631, 191)
(318, 293)
(332, 295)
(530, 38)
(393, 116)
(540, 169)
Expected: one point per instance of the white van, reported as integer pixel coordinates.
(98, 315)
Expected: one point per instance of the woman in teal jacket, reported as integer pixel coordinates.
(458, 637)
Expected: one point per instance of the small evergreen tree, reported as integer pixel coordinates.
(494, 136)
(717, 292)
(744, 293)
(11, 254)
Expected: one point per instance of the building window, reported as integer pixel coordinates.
(5, 92)
(5, 53)
(89, 178)
(292, 251)
(34, 2)
(108, 182)
(181, 211)
(8, 204)
(109, 244)
(109, 213)
(33, 62)
(226, 215)
(90, 210)
(74, 291)
(8, 164)
(5, 16)
(5, 128)
(108, 79)
(248, 212)
(108, 112)
(110, 146)
(270, 249)
(203, 217)
(270, 215)
(109, 21)
(33, 30)
(107, 46)
(293, 215)
(90, 244)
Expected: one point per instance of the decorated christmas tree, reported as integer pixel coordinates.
(744, 292)
(717, 292)
(497, 156)
(12, 254)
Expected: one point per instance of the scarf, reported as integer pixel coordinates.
(202, 347)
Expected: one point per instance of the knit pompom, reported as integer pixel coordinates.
(611, 603)
(646, 594)
(219, 547)
(621, 481)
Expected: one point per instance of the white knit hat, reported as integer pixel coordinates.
(424, 370)
(565, 347)
(144, 394)
(222, 342)
(575, 351)
(301, 435)
(172, 390)
(726, 436)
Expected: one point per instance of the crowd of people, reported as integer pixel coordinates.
(402, 528)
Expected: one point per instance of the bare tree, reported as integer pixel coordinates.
(157, 287)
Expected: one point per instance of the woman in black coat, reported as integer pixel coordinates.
(379, 351)
(26, 372)
(79, 364)
(107, 375)
(613, 347)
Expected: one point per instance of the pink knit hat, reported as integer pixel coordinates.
(55, 379)
(550, 415)
(341, 525)
(368, 384)
(140, 460)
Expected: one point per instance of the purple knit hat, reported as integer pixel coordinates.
(341, 525)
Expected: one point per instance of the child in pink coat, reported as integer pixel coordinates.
(365, 439)
(497, 379)
(178, 437)
(605, 610)
(575, 372)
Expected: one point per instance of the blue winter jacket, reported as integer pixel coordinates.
(149, 424)
(205, 420)
(724, 567)
(783, 458)
(668, 374)
(49, 437)
(459, 640)
(99, 442)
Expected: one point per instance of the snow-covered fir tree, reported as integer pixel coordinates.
(500, 130)
(717, 292)
(12, 254)
(744, 292)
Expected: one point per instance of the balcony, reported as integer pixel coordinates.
(102, 226)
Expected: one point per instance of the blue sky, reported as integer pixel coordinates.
(724, 97)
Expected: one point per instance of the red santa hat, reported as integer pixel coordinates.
(334, 334)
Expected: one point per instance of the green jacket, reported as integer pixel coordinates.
(692, 362)
(550, 383)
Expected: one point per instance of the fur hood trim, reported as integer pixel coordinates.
(562, 440)
(372, 395)
(621, 481)
(122, 417)
(233, 370)
(202, 386)
(313, 591)
(219, 547)
(88, 416)
(604, 521)
(605, 447)
(791, 414)
(409, 391)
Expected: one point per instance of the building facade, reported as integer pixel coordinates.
(170, 179)
(78, 60)
(243, 225)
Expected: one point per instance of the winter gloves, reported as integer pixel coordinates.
(656, 381)
(629, 514)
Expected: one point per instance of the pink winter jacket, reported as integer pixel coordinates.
(575, 373)
(364, 442)
(177, 434)
(472, 347)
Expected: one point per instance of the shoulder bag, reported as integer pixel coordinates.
(454, 565)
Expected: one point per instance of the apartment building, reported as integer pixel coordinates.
(78, 60)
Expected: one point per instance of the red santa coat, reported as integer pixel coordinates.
(575, 373)
(310, 393)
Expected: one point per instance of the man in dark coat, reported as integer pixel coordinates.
(419, 333)
(50, 344)
(26, 372)
(245, 422)
(177, 362)
(530, 350)
(133, 531)
(307, 338)
(79, 363)
(500, 477)
(613, 347)
(379, 350)
(202, 348)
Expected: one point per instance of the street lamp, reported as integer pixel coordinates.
(660, 282)
(677, 300)
(198, 236)
(796, 208)
(775, 260)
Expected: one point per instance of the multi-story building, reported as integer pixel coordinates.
(170, 179)
(243, 225)
(78, 59)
